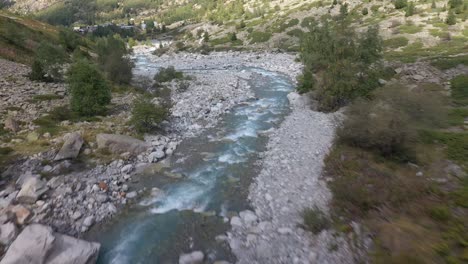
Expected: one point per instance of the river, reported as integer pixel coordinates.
(205, 182)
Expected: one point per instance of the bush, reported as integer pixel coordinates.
(259, 36)
(47, 65)
(409, 10)
(451, 18)
(344, 63)
(459, 86)
(146, 115)
(395, 43)
(88, 89)
(167, 74)
(315, 220)
(388, 124)
(399, 4)
(365, 11)
(112, 53)
(69, 39)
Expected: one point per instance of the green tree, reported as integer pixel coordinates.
(365, 11)
(409, 9)
(113, 59)
(433, 5)
(146, 115)
(69, 39)
(399, 4)
(88, 89)
(455, 3)
(451, 18)
(340, 64)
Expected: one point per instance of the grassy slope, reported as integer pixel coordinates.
(20, 36)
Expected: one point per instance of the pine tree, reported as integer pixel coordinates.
(451, 18)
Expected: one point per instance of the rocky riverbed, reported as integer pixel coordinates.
(289, 183)
(54, 187)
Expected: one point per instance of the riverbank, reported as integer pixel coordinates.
(289, 183)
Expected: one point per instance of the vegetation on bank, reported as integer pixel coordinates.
(398, 166)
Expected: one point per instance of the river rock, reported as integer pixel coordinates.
(127, 169)
(8, 233)
(37, 244)
(31, 246)
(71, 148)
(195, 257)
(31, 190)
(155, 156)
(88, 221)
(248, 216)
(69, 250)
(120, 144)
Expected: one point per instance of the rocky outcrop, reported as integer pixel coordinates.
(71, 147)
(119, 144)
(38, 244)
(31, 190)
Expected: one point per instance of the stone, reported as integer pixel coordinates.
(76, 215)
(131, 195)
(31, 246)
(248, 217)
(31, 190)
(71, 147)
(12, 125)
(8, 233)
(55, 182)
(88, 221)
(284, 230)
(120, 144)
(236, 221)
(101, 198)
(38, 244)
(195, 257)
(32, 137)
(21, 213)
(127, 169)
(69, 250)
(156, 155)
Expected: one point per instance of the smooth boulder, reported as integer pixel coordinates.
(119, 144)
(195, 257)
(71, 147)
(38, 244)
(31, 246)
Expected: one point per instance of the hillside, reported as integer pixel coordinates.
(279, 24)
(20, 36)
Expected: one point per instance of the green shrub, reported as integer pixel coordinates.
(315, 220)
(344, 62)
(47, 65)
(409, 10)
(146, 115)
(69, 39)
(440, 213)
(459, 86)
(395, 43)
(399, 4)
(90, 93)
(113, 59)
(167, 74)
(450, 62)
(389, 123)
(451, 18)
(258, 36)
(365, 11)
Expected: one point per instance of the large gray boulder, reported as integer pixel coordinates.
(31, 246)
(38, 244)
(8, 233)
(31, 190)
(69, 250)
(71, 147)
(119, 144)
